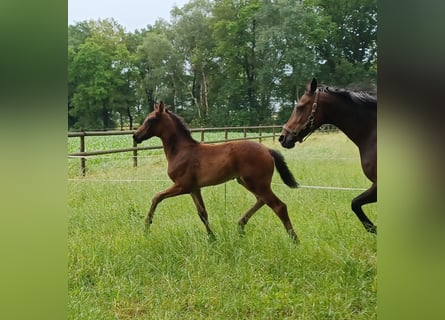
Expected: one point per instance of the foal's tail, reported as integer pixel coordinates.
(283, 170)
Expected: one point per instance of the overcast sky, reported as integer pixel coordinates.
(131, 14)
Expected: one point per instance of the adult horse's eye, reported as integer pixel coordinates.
(299, 108)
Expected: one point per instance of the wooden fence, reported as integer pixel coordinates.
(262, 133)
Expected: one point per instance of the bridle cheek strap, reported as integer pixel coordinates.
(310, 121)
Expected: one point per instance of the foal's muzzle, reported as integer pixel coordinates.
(135, 139)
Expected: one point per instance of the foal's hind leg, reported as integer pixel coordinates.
(265, 196)
(280, 208)
(245, 218)
(369, 196)
(258, 204)
(202, 212)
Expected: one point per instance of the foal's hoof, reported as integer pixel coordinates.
(146, 229)
(241, 230)
(211, 237)
(294, 237)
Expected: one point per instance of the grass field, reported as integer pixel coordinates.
(175, 272)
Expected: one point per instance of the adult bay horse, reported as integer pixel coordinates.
(193, 165)
(354, 113)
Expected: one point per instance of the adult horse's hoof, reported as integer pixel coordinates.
(372, 229)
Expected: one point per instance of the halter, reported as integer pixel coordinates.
(310, 121)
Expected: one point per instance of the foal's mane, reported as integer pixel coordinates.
(181, 125)
(357, 97)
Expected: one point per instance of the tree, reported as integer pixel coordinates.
(101, 76)
(350, 50)
(191, 30)
(160, 67)
(91, 66)
(222, 62)
(288, 34)
(77, 35)
(235, 33)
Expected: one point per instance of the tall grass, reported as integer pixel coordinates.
(176, 272)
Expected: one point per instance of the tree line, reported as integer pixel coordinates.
(220, 62)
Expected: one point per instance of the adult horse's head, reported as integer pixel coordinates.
(151, 126)
(304, 118)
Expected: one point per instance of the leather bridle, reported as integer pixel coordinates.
(309, 122)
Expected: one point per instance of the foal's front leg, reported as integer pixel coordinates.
(202, 212)
(174, 190)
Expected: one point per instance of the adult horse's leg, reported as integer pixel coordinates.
(202, 212)
(369, 196)
(174, 190)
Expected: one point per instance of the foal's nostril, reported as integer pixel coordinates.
(281, 138)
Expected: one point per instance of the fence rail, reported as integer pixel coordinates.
(82, 154)
(262, 133)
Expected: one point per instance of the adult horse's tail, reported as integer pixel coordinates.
(283, 170)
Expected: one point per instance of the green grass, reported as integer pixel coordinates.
(175, 272)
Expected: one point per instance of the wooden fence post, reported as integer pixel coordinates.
(135, 154)
(82, 159)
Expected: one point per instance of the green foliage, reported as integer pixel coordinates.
(101, 75)
(218, 62)
(176, 272)
(351, 49)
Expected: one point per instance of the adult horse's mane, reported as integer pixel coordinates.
(182, 125)
(358, 97)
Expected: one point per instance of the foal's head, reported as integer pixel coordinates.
(154, 123)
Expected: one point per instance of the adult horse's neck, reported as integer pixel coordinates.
(355, 120)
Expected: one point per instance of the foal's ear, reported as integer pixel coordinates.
(161, 107)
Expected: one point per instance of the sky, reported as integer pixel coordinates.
(131, 14)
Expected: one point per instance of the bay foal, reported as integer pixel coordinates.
(193, 165)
